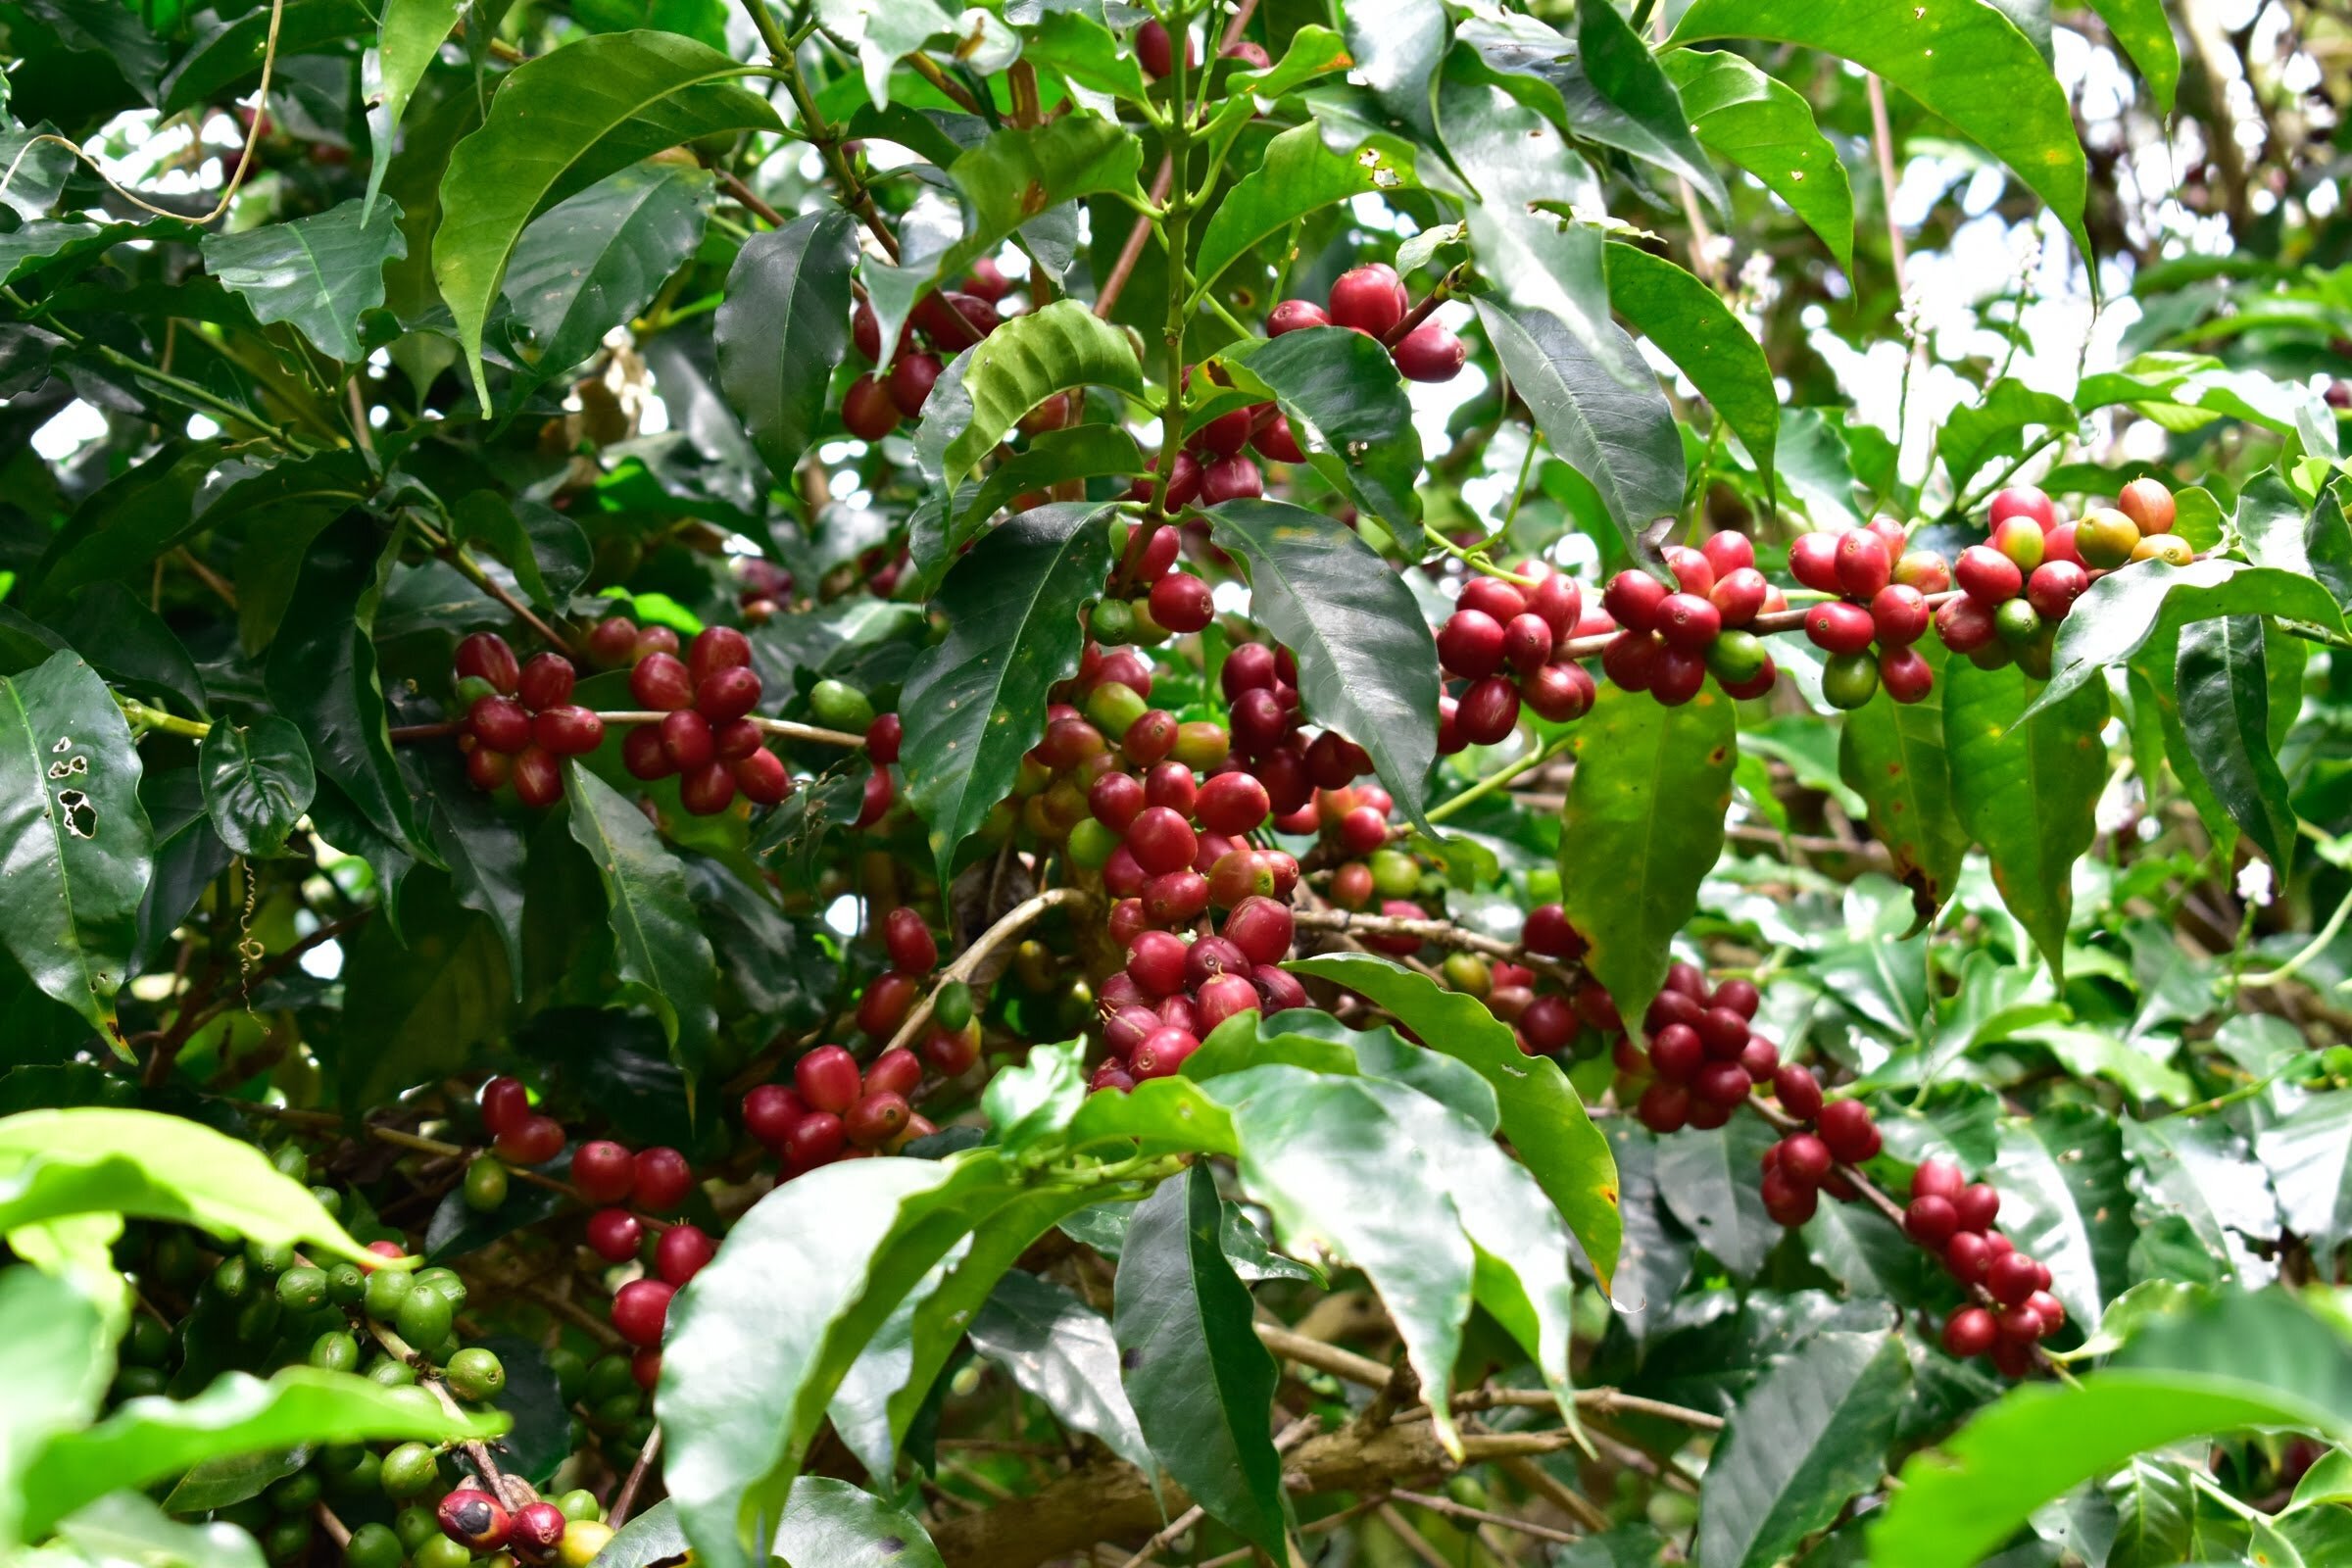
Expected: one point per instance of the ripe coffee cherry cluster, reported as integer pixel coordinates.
(1372, 300)
(706, 736)
(1952, 1217)
(1704, 1058)
(471, 1518)
(1174, 991)
(520, 722)
(1882, 609)
(1506, 641)
(1214, 468)
(1166, 601)
(1669, 639)
(833, 1111)
(942, 326)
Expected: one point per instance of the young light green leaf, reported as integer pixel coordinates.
(1641, 826)
(1689, 322)
(318, 273)
(1367, 661)
(2146, 31)
(976, 701)
(101, 1159)
(592, 262)
(2222, 680)
(1767, 129)
(1297, 175)
(1542, 1115)
(984, 392)
(1967, 63)
(258, 781)
(80, 849)
(407, 44)
(883, 32)
(56, 1355)
(665, 958)
(149, 1439)
(1804, 1442)
(1201, 1383)
(2059, 764)
(559, 123)
(783, 327)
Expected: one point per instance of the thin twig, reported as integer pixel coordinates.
(1455, 1510)
(1016, 920)
(627, 1496)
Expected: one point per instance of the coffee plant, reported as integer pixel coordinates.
(1089, 782)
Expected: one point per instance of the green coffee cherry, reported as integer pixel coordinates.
(2018, 623)
(302, 1288)
(1092, 845)
(252, 1515)
(424, 1316)
(447, 1282)
(374, 1547)
(476, 1374)
(140, 1382)
(257, 1321)
(386, 1290)
(952, 1008)
(472, 689)
(1735, 657)
(570, 1372)
(362, 1480)
(392, 1373)
(292, 1160)
(345, 1284)
(410, 1470)
(295, 1493)
(441, 1552)
(837, 705)
(415, 1524)
(1848, 680)
(287, 1539)
(232, 1280)
(1114, 708)
(147, 1342)
(581, 1505)
(616, 1411)
(1113, 622)
(485, 1185)
(1395, 873)
(335, 1351)
(610, 1375)
(329, 1198)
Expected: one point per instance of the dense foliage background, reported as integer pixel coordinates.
(863, 658)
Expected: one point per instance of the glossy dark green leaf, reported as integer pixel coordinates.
(1368, 661)
(2058, 761)
(258, 781)
(833, 1523)
(318, 273)
(559, 123)
(323, 673)
(784, 325)
(1641, 826)
(1767, 129)
(1348, 412)
(1062, 1351)
(149, 1439)
(1892, 755)
(1081, 451)
(976, 701)
(1201, 1383)
(544, 547)
(416, 1008)
(131, 645)
(2065, 1201)
(2280, 531)
(1803, 1443)
(2225, 701)
(1397, 46)
(593, 262)
(483, 850)
(1691, 323)
(1297, 175)
(1707, 1180)
(664, 959)
(1650, 120)
(233, 1478)
(2203, 1171)
(1994, 428)
(228, 50)
(81, 850)
(983, 394)
(1967, 63)
(1542, 1115)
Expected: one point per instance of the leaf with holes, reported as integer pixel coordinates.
(664, 959)
(784, 327)
(79, 849)
(1767, 127)
(1641, 825)
(318, 273)
(559, 123)
(1368, 661)
(1892, 755)
(976, 701)
(258, 781)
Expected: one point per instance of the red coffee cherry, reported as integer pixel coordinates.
(604, 1171)
(770, 1114)
(1836, 627)
(1738, 595)
(567, 731)
(2011, 1278)
(1687, 621)
(1370, 299)
(868, 412)
(486, 655)
(1631, 600)
(1905, 674)
(1676, 1053)
(1987, 577)
(537, 1531)
(1813, 561)
(1470, 644)
(1965, 624)
(761, 777)
(1181, 603)
(615, 1235)
(641, 1311)
(613, 642)
(1234, 478)
(662, 683)
(707, 790)
(1225, 434)
(1797, 1091)
(2149, 505)
(1492, 595)
(1727, 552)
(827, 1079)
(1863, 564)
(2024, 500)
(1430, 352)
(1967, 1257)
(1155, 50)
(726, 694)
(1489, 710)
(532, 1140)
(1262, 928)
(500, 723)
(663, 1178)
(1548, 932)
(1978, 1204)
(2054, 587)
(505, 1103)
(546, 681)
(488, 771)
(1938, 1177)
(1161, 840)
(1846, 1127)
(1969, 1332)
(1805, 1157)
(681, 1252)
(876, 1119)
(1277, 440)
(908, 940)
(1292, 314)
(1664, 1107)
(1931, 1221)
(1560, 693)
(1232, 803)
(1900, 614)
(537, 777)
(910, 381)
(886, 1001)
(816, 1140)
(882, 738)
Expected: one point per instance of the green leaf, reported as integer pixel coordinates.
(976, 701)
(1085, 52)
(883, 32)
(101, 1159)
(559, 123)
(1994, 428)
(318, 273)
(2127, 609)
(1698, 331)
(664, 959)
(1297, 175)
(1201, 1383)
(80, 851)
(1651, 122)
(1063, 1352)
(1960, 1500)
(1606, 418)
(228, 50)
(544, 547)
(323, 673)
(125, 1528)
(760, 1339)
(416, 1008)
(2225, 701)
(1542, 1115)
(1707, 1179)
(407, 45)
(1031, 1104)
(1397, 46)
(130, 644)
(2200, 1169)
(1999, 760)
(2065, 1201)
(982, 395)
(149, 1439)
(1367, 661)
(1641, 826)
(1804, 1442)
(258, 782)
(2308, 1155)
(1347, 411)
(1967, 63)
(1817, 469)
(837, 1525)
(1081, 451)
(1767, 129)
(784, 328)
(56, 1355)
(1892, 755)
(2186, 391)
(593, 262)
